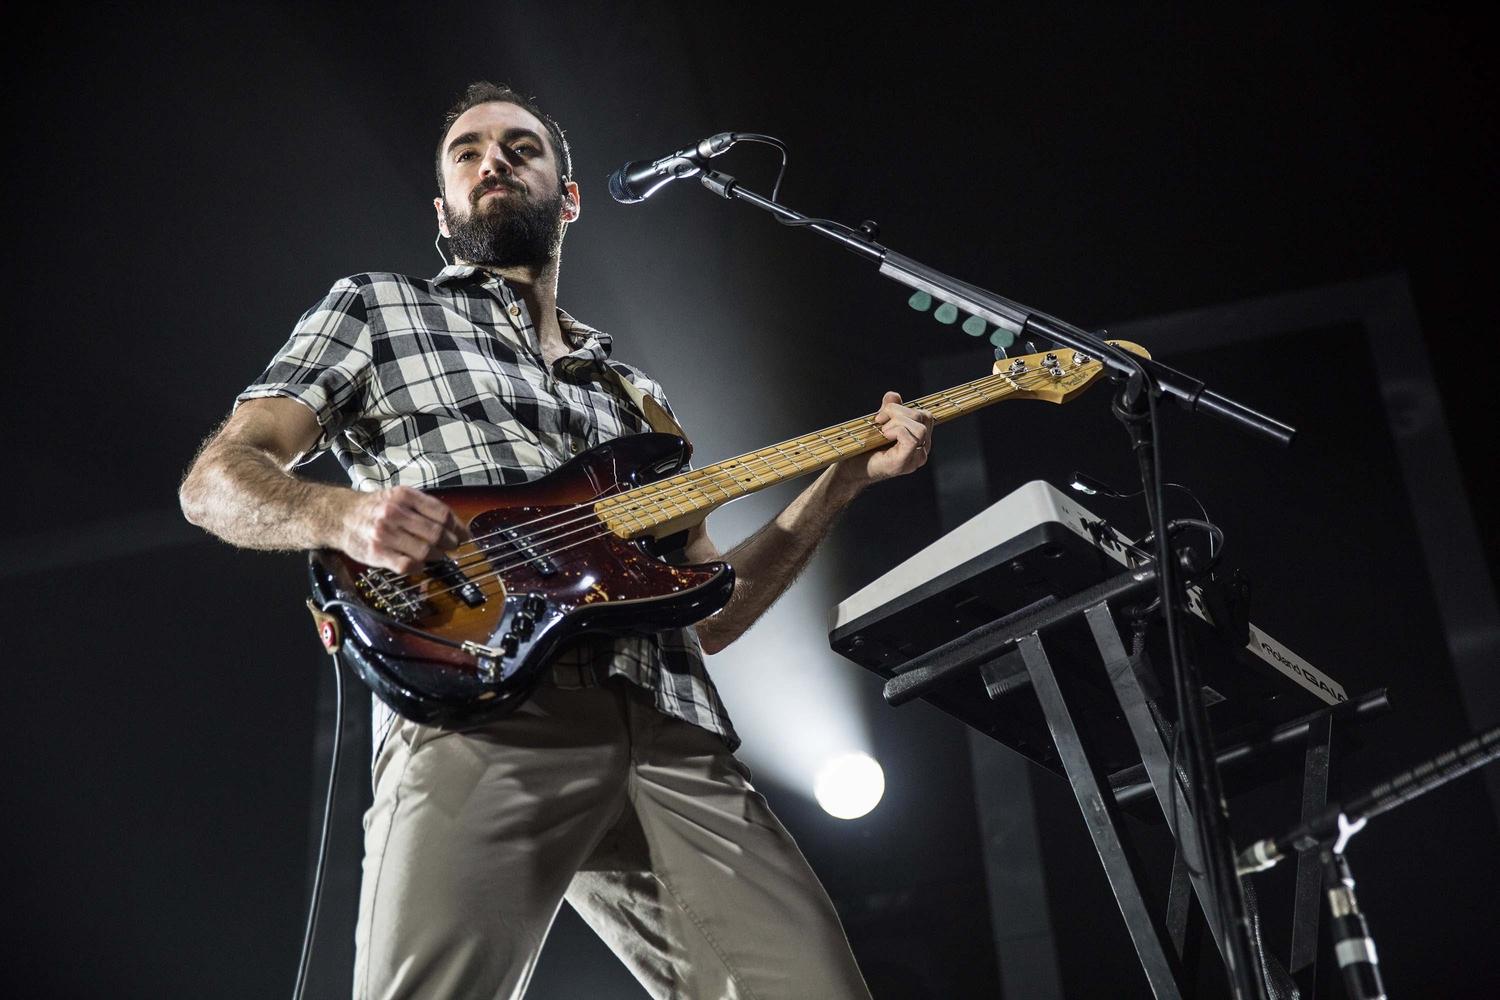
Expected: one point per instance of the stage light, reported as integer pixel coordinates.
(849, 786)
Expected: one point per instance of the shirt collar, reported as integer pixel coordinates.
(591, 344)
(456, 272)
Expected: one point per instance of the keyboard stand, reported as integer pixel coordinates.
(1009, 654)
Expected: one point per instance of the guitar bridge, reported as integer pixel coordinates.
(380, 588)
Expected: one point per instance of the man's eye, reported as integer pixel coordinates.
(465, 155)
(526, 150)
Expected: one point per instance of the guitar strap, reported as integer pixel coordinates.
(655, 415)
(648, 409)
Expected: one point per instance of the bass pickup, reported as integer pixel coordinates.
(446, 572)
(520, 542)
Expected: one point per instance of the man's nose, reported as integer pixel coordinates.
(495, 161)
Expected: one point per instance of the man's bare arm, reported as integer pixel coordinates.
(241, 488)
(766, 563)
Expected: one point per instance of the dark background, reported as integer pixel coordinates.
(184, 182)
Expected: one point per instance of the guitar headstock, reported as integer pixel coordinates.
(1057, 375)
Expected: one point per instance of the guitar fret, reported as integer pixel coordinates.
(949, 400)
(794, 463)
(830, 444)
(805, 446)
(688, 493)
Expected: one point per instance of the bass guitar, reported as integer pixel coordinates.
(581, 550)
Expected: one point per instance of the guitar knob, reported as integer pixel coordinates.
(509, 644)
(534, 605)
(522, 624)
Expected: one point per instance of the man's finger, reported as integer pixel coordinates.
(429, 507)
(440, 535)
(398, 550)
(415, 524)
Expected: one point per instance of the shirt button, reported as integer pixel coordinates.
(515, 310)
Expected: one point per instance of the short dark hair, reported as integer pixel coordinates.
(483, 92)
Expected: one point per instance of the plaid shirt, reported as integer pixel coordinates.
(441, 383)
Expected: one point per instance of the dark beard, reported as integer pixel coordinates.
(520, 231)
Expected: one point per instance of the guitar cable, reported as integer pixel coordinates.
(333, 779)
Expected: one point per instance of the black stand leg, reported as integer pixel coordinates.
(1101, 814)
(1183, 924)
(1154, 755)
(1223, 902)
(1179, 904)
(1315, 775)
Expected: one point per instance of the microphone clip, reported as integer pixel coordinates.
(637, 181)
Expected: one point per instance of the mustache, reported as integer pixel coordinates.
(510, 184)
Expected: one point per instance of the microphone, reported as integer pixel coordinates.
(639, 179)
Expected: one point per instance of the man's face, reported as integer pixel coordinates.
(504, 204)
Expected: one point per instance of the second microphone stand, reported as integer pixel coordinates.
(1144, 382)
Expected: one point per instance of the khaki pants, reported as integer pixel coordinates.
(646, 824)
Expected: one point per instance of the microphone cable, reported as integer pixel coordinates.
(768, 140)
(771, 140)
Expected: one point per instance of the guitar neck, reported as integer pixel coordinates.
(670, 505)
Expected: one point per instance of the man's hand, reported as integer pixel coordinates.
(399, 529)
(910, 429)
(241, 488)
(766, 563)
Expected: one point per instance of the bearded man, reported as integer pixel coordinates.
(615, 785)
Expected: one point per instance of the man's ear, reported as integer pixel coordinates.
(442, 217)
(572, 208)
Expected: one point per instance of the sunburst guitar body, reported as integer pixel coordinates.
(586, 549)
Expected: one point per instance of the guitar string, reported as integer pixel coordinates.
(589, 519)
(682, 486)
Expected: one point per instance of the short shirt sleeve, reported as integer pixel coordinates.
(326, 364)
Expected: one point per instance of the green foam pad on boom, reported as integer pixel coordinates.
(920, 301)
(974, 326)
(946, 313)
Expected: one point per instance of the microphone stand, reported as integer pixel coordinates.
(1023, 321)
(1145, 381)
(1329, 833)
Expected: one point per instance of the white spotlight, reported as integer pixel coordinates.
(850, 785)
